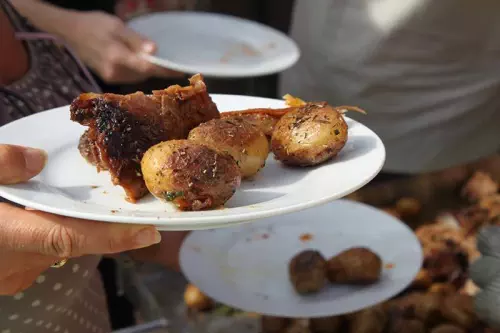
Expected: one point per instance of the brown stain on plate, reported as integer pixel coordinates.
(306, 237)
(389, 266)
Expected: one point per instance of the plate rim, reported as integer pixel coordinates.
(290, 61)
(400, 223)
(184, 221)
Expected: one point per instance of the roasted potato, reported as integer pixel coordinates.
(270, 324)
(423, 306)
(354, 266)
(309, 135)
(447, 328)
(262, 121)
(245, 142)
(408, 207)
(326, 324)
(190, 175)
(371, 320)
(400, 325)
(307, 271)
(196, 300)
(459, 309)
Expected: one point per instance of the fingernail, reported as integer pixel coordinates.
(148, 47)
(147, 237)
(35, 159)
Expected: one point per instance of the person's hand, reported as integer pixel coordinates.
(111, 49)
(32, 241)
(485, 272)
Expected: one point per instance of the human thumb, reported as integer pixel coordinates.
(136, 42)
(19, 164)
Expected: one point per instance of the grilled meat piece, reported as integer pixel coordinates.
(121, 128)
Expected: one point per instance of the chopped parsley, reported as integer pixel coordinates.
(172, 195)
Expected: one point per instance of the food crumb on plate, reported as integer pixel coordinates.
(389, 266)
(306, 237)
(114, 211)
(94, 186)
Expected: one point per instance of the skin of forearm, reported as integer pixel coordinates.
(46, 17)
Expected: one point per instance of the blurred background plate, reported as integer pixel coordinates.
(216, 45)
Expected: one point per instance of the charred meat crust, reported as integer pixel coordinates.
(122, 127)
(116, 141)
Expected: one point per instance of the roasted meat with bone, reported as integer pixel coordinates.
(122, 127)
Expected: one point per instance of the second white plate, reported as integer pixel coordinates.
(247, 266)
(216, 45)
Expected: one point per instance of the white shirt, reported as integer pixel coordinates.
(426, 71)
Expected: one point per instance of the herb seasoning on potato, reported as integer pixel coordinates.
(354, 266)
(307, 271)
(310, 134)
(244, 141)
(190, 175)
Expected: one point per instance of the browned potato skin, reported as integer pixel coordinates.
(309, 135)
(191, 175)
(424, 307)
(196, 300)
(270, 324)
(446, 328)
(371, 320)
(354, 266)
(459, 309)
(307, 271)
(407, 326)
(241, 139)
(326, 324)
(264, 122)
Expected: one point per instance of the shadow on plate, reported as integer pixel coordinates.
(355, 147)
(248, 197)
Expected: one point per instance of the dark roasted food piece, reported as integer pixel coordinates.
(122, 127)
(262, 121)
(307, 271)
(326, 324)
(408, 207)
(242, 140)
(423, 280)
(196, 300)
(400, 325)
(421, 306)
(459, 309)
(190, 175)
(270, 324)
(371, 320)
(447, 328)
(354, 266)
(480, 185)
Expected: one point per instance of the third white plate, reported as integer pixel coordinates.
(247, 266)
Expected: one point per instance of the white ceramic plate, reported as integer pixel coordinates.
(216, 45)
(70, 186)
(246, 266)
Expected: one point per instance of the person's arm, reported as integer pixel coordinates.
(45, 16)
(102, 41)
